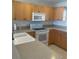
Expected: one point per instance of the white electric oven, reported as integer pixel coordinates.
(42, 36)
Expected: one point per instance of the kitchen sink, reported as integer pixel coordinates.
(16, 35)
(23, 37)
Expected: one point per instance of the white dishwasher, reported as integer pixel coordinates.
(42, 35)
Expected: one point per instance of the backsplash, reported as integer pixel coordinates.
(60, 23)
(21, 23)
(27, 23)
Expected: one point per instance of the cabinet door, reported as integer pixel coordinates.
(48, 12)
(57, 37)
(51, 14)
(40, 9)
(13, 10)
(51, 37)
(27, 11)
(32, 34)
(64, 40)
(60, 38)
(37, 8)
(58, 13)
(19, 10)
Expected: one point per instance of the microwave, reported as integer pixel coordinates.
(38, 16)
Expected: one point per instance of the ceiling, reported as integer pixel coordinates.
(44, 2)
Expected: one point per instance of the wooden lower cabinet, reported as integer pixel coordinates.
(58, 38)
(32, 33)
(51, 37)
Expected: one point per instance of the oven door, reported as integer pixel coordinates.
(42, 36)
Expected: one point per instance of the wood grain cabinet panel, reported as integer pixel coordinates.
(19, 10)
(64, 36)
(28, 11)
(58, 38)
(48, 12)
(13, 10)
(51, 37)
(51, 14)
(58, 13)
(61, 39)
(37, 8)
(32, 34)
(23, 11)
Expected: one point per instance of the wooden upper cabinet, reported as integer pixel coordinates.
(51, 14)
(13, 10)
(48, 12)
(19, 11)
(40, 9)
(28, 11)
(37, 8)
(58, 13)
(23, 11)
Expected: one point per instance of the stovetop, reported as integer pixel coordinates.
(38, 28)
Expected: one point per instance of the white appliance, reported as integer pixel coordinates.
(14, 27)
(38, 16)
(42, 36)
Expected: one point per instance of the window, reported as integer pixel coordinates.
(65, 14)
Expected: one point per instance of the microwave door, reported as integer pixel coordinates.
(38, 17)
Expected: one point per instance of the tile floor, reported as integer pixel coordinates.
(59, 53)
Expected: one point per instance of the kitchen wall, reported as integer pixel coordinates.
(60, 23)
(27, 23)
(60, 4)
(46, 2)
(21, 23)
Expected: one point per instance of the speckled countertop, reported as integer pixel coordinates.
(31, 50)
(61, 28)
(35, 50)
